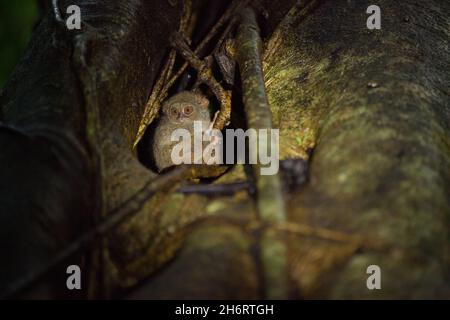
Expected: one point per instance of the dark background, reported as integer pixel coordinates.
(17, 19)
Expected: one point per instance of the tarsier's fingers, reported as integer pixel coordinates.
(211, 126)
(214, 140)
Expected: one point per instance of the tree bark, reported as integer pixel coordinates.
(69, 112)
(372, 104)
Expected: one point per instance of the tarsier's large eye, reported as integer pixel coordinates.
(174, 111)
(187, 110)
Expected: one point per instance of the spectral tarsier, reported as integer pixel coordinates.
(179, 111)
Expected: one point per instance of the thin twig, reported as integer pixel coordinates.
(216, 189)
(359, 242)
(154, 103)
(158, 94)
(124, 211)
(204, 73)
(231, 10)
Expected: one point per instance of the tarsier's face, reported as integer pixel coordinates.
(181, 111)
(186, 107)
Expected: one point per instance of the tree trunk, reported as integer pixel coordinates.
(373, 105)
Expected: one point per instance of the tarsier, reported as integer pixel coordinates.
(183, 109)
(179, 111)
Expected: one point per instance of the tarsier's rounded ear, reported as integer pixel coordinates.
(202, 101)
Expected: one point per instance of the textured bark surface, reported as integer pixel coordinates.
(44, 159)
(381, 165)
(75, 101)
(379, 170)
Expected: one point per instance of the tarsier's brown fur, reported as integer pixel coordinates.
(179, 111)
